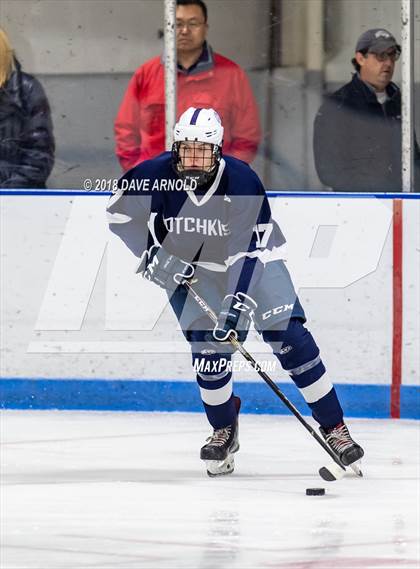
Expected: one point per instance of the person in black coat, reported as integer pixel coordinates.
(26, 131)
(357, 131)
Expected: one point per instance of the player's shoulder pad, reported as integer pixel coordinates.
(242, 178)
(153, 169)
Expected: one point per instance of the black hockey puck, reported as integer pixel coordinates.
(315, 491)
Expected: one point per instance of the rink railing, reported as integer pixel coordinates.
(393, 400)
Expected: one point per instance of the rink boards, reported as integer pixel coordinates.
(82, 331)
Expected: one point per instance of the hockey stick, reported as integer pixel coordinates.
(329, 473)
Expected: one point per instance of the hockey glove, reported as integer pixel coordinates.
(165, 269)
(235, 317)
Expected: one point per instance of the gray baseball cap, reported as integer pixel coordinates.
(376, 40)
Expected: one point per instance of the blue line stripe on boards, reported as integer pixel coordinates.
(270, 193)
(410, 402)
(370, 401)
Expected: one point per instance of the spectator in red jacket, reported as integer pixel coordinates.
(205, 79)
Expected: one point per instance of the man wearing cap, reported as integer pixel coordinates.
(357, 131)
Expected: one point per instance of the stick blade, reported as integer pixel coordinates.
(331, 472)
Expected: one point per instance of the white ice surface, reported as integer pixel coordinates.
(127, 490)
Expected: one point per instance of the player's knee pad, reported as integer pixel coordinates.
(212, 367)
(203, 342)
(214, 370)
(297, 351)
(209, 364)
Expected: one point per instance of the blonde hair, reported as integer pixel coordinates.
(6, 58)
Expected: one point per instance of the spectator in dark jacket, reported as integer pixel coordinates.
(26, 131)
(357, 131)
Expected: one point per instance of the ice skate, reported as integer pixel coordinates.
(348, 451)
(218, 451)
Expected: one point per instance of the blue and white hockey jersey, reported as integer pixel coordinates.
(226, 227)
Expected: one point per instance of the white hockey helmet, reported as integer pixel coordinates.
(199, 125)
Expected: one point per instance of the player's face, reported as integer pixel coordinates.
(377, 69)
(191, 29)
(196, 156)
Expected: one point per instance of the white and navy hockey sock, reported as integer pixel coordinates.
(214, 378)
(299, 356)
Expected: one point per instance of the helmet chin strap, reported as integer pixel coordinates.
(197, 178)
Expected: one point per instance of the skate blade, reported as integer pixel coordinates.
(220, 467)
(355, 466)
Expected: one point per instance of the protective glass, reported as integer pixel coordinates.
(292, 53)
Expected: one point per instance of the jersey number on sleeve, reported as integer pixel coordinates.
(263, 232)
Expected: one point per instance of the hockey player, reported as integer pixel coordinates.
(195, 215)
